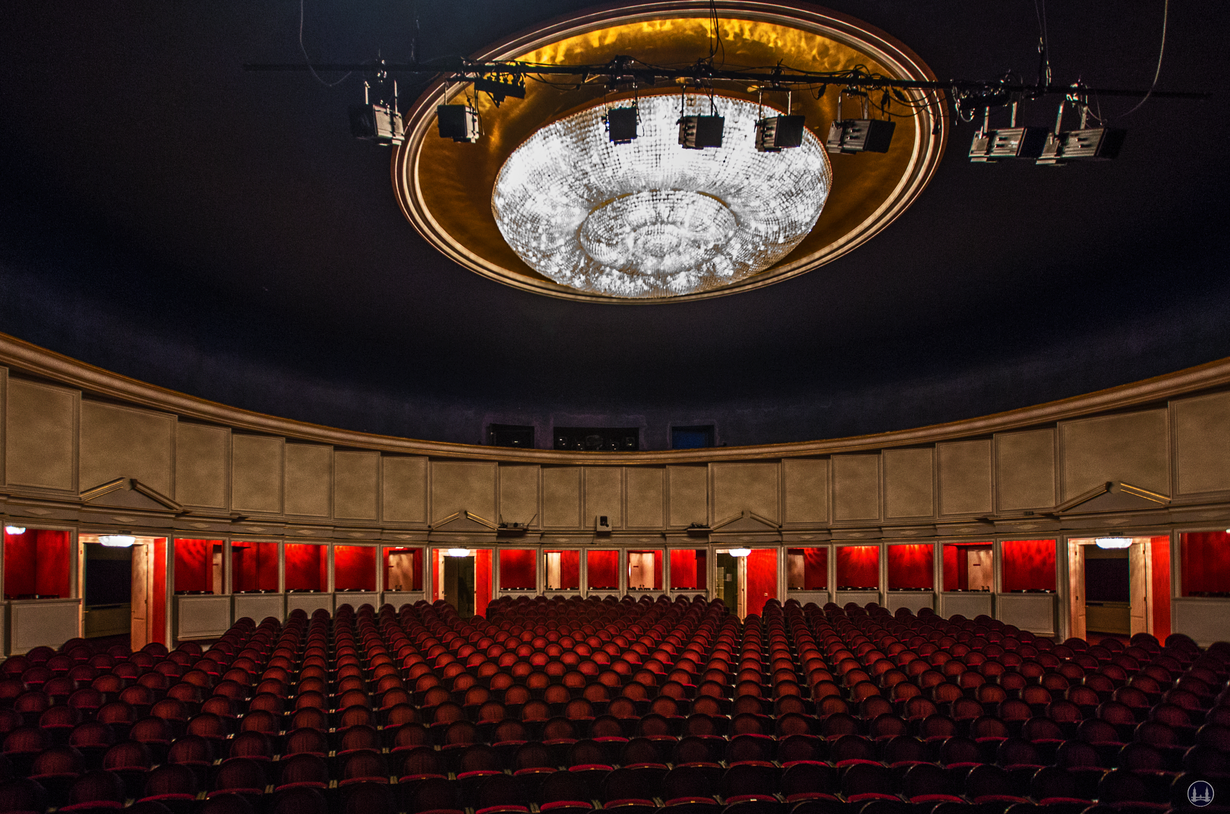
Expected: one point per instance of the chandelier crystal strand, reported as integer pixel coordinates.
(649, 219)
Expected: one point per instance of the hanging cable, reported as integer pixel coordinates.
(308, 59)
(1160, 53)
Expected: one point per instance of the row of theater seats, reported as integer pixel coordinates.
(636, 706)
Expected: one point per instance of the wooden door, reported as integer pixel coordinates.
(979, 568)
(142, 591)
(1076, 590)
(1140, 573)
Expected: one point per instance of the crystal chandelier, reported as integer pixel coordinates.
(649, 219)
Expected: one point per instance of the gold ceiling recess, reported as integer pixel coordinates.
(445, 188)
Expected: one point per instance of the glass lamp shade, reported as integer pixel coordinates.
(117, 540)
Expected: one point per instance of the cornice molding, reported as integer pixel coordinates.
(23, 357)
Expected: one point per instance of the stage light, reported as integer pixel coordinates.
(779, 132)
(699, 132)
(498, 89)
(458, 122)
(1113, 542)
(739, 552)
(117, 540)
(860, 136)
(380, 121)
(990, 145)
(457, 552)
(621, 124)
(14, 529)
(1083, 144)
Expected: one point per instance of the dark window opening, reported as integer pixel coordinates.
(510, 435)
(698, 437)
(597, 439)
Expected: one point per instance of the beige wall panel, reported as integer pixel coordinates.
(1133, 447)
(518, 494)
(1202, 443)
(202, 465)
(965, 477)
(41, 435)
(120, 442)
(404, 489)
(753, 487)
(462, 486)
(909, 482)
(561, 497)
(1025, 470)
(646, 496)
(688, 492)
(856, 487)
(604, 495)
(356, 485)
(807, 490)
(256, 473)
(309, 475)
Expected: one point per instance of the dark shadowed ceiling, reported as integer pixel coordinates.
(169, 216)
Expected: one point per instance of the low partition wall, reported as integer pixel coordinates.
(257, 606)
(857, 597)
(1205, 619)
(970, 604)
(819, 598)
(1035, 612)
(36, 622)
(308, 601)
(202, 617)
(913, 600)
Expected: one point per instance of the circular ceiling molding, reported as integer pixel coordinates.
(632, 239)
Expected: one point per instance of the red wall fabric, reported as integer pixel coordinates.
(1205, 562)
(603, 570)
(304, 563)
(482, 581)
(688, 569)
(37, 563)
(20, 563)
(158, 598)
(858, 566)
(517, 572)
(416, 565)
(1161, 586)
(911, 566)
(354, 568)
(570, 570)
(194, 565)
(1028, 565)
(815, 569)
(761, 578)
(254, 566)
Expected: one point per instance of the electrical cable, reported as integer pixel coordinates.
(308, 59)
(1160, 53)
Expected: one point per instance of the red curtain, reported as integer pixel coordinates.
(158, 600)
(688, 569)
(570, 570)
(1028, 565)
(482, 581)
(815, 569)
(517, 569)
(304, 566)
(911, 567)
(1205, 562)
(603, 570)
(858, 566)
(761, 579)
(194, 565)
(20, 564)
(354, 568)
(956, 578)
(1161, 586)
(36, 563)
(254, 566)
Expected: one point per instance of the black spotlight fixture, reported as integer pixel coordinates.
(990, 145)
(776, 133)
(1084, 144)
(865, 135)
(499, 89)
(699, 132)
(458, 122)
(621, 124)
(379, 122)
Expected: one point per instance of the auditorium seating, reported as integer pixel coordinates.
(636, 706)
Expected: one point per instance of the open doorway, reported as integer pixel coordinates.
(731, 579)
(124, 588)
(1119, 586)
(462, 578)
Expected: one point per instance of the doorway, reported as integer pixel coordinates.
(731, 581)
(1118, 587)
(459, 584)
(125, 590)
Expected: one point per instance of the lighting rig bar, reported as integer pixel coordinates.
(977, 94)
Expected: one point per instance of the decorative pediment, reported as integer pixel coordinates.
(130, 493)
(1113, 496)
(745, 522)
(463, 522)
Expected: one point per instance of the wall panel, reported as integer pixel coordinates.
(121, 442)
(604, 495)
(1025, 470)
(1131, 447)
(404, 489)
(1202, 443)
(202, 465)
(561, 496)
(256, 473)
(806, 482)
(519, 494)
(965, 477)
(646, 489)
(753, 487)
(309, 474)
(462, 486)
(688, 493)
(856, 487)
(909, 482)
(356, 485)
(41, 435)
